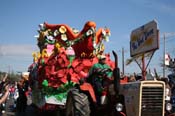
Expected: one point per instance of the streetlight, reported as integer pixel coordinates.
(169, 34)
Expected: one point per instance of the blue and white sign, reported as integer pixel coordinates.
(144, 39)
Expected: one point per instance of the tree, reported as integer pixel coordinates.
(12, 77)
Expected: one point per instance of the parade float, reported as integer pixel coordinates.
(65, 56)
(59, 73)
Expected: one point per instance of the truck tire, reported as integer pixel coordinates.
(77, 104)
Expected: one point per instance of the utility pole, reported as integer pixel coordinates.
(123, 60)
(9, 69)
(164, 55)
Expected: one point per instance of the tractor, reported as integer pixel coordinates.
(122, 98)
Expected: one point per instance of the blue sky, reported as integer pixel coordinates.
(19, 20)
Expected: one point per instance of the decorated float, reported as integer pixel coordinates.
(65, 56)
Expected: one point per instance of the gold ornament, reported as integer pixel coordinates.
(62, 29)
(44, 53)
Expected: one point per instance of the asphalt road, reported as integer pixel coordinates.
(8, 108)
(30, 110)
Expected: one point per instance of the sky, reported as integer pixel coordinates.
(19, 20)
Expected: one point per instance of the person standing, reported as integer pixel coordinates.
(22, 87)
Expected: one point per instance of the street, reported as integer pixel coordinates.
(8, 108)
(30, 110)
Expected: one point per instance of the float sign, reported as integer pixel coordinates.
(144, 39)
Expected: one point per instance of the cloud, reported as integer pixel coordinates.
(17, 49)
(16, 57)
